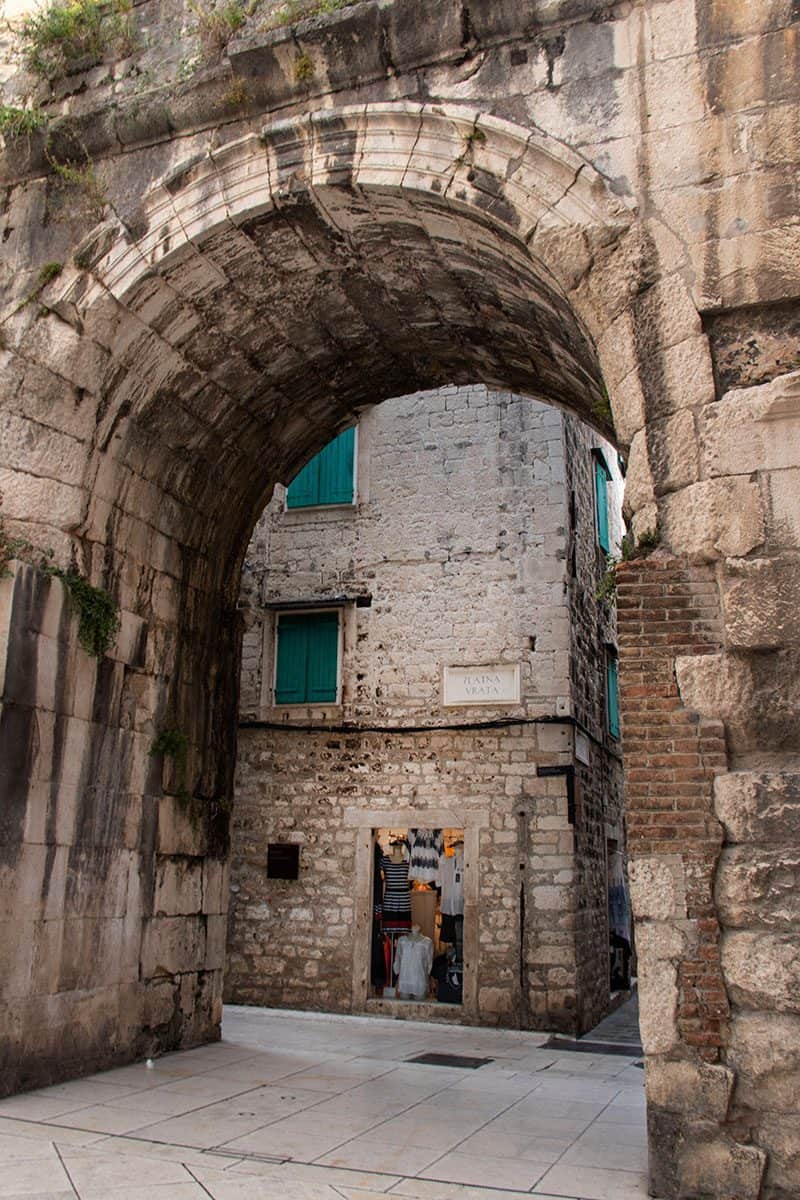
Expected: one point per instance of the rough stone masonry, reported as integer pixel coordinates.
(581, 202)
(471, 539)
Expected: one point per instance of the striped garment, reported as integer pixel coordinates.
(427, 848)
(396, 894)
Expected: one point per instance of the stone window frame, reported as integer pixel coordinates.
(306, 711)
(365, 821)
(346, 506)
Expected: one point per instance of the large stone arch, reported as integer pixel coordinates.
(154, 332)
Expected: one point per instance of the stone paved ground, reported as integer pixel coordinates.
(621, 1028)
(307, 1107)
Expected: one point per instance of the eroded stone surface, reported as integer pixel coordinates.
(636, 186)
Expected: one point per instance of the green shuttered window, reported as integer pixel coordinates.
(307, 658)
(601, 503)
(612, 695)
(328, 477)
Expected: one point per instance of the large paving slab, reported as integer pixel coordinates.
(312, 1107)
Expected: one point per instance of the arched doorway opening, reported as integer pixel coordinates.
(268, 291)
(424, 649)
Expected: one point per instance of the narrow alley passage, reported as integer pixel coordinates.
(311, 1107)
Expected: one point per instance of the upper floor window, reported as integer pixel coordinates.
(602, 476)
(307, 657)
(612, 693)
(329, 478)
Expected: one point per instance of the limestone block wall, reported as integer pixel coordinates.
(292, 943)
(458, 536)
(474, 536)
(632, 193)
(112, 903)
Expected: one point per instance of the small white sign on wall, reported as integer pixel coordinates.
(497, 684)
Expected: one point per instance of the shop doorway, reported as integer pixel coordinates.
(417, 929)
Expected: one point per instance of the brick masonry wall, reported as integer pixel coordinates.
(666, 609)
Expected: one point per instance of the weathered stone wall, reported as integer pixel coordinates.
(618, 178)
(592, 631)
(293, 943)
(460, 524)
(113, 906)
(460, 536)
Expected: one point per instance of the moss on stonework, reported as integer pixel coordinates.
(171, 743)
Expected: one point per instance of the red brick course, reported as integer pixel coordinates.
(664, 609)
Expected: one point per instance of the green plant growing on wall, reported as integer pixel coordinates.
(630, 549)
(10, 547)
(216, 25)
(601, 407)
(72, 34)
(475, 137)
(97, 611)
(20, 122)
(303, 69)
(49, 272)
(172, 743)
(237, 94)
(82, 177)
(606, 593)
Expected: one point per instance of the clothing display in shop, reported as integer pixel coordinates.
(396, 904)
(378, 969)
(451, 877)
(427, 849)
(452, 928)
(413, 959)
(449, 976)
(377, 883)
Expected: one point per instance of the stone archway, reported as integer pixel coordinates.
(217, 344)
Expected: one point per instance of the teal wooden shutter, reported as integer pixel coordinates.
(323, 658)
(336, 469)
(304, 488)
(612, 695)
(307, 655)
(292, 657)
(601, 504)
(328, 477)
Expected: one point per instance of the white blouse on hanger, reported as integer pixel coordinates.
(413, 959)
(451, 874)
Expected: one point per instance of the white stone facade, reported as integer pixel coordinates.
(472, 543)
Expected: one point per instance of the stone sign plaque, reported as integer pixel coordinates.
(497, 684)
